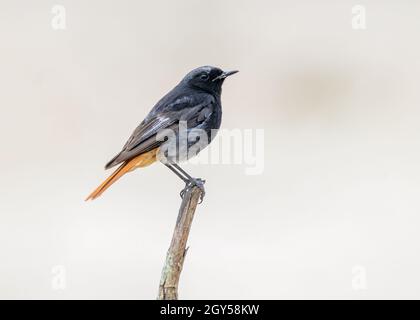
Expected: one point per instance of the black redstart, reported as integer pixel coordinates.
(195, 102)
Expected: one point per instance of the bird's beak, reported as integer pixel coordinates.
(225, 75)
(229, 73)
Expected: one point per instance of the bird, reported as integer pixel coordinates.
(186, 119)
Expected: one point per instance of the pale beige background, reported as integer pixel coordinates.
(341, 113)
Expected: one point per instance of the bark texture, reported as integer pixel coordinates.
(168, 287)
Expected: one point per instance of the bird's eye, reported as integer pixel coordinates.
(204, 76)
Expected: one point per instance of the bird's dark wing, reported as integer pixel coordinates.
(143, 139)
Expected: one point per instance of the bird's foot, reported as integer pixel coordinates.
(197, 182)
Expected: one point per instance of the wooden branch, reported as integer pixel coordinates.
(168, 287)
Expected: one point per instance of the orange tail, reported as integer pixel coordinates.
(142, 160)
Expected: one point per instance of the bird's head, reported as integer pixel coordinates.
(207, 78)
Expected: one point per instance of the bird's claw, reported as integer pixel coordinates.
(196, 182)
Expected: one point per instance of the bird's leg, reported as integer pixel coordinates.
(191, 182)
(185, 179)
